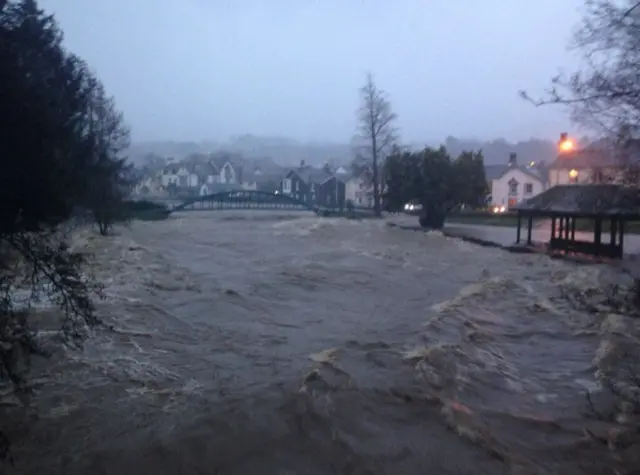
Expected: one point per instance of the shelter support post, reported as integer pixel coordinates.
(560, 227)
(614, 232)
(529, 229)
(597, 235)
(519, 227)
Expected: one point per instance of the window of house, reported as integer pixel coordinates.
(513, 187)
(297, 186)
(286, 185)
(528, 188)
(573, 176)
(228, 174)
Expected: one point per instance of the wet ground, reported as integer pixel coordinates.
(262, 343)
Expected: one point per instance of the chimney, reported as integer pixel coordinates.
(302, 164)
(513, 160)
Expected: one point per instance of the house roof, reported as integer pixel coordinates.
(531, 172)
(266, 176)
(310, 174)
(204, 169)
(600, 154)
(219, 159)
(585, 200)
(171, 168)
(493, 172)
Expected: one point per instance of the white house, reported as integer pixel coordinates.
(179, 175)
(187, 177)
(359, 190)
(515, 184)
(169, 176)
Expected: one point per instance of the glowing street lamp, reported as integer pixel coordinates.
(566, 144)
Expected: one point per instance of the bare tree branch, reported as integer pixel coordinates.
(376, 131)
(605, 95)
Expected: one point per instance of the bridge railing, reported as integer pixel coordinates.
(244, 199)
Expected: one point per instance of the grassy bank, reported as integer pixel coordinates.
(511, 220)
(485, 219)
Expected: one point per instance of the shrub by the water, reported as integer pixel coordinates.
(60, 143)
(144, 210)
(433, 218)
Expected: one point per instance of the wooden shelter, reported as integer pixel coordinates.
(607, 207)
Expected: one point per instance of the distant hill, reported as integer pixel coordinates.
(497, 151)
(283, 151)
(288, 152)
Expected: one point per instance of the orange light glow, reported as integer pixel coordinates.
(573, 174)
(567, 145)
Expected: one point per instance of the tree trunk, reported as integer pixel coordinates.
(376, 189)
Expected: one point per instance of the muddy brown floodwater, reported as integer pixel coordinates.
(262, 343)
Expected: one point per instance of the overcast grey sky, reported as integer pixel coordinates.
(207, 69)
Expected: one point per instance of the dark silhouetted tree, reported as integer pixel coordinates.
(469, 180)
(49, 173)
(434, 180)
(111, 177)
(375, 123)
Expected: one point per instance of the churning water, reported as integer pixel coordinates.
(258, 343)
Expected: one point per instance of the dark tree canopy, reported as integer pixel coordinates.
(110, 177)
(43, 98)
(61, 140)
(469, 178)
(434, 180)
(59, 133)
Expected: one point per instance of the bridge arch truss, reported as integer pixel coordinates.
(244, 200)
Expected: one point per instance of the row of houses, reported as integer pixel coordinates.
(324, 187)
(598, 163)
(509, 183)
(203, 176)
(317, 186)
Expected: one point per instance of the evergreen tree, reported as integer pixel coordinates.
(60, 143)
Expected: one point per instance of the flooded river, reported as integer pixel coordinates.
(261, 343)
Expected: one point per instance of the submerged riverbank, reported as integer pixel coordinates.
(255, 343)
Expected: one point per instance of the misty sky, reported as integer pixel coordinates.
(207, 69)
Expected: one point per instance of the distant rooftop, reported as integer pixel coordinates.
(495, 172)
(585, 200)
(602, 153)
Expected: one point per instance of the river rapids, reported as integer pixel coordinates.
(278, 344)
